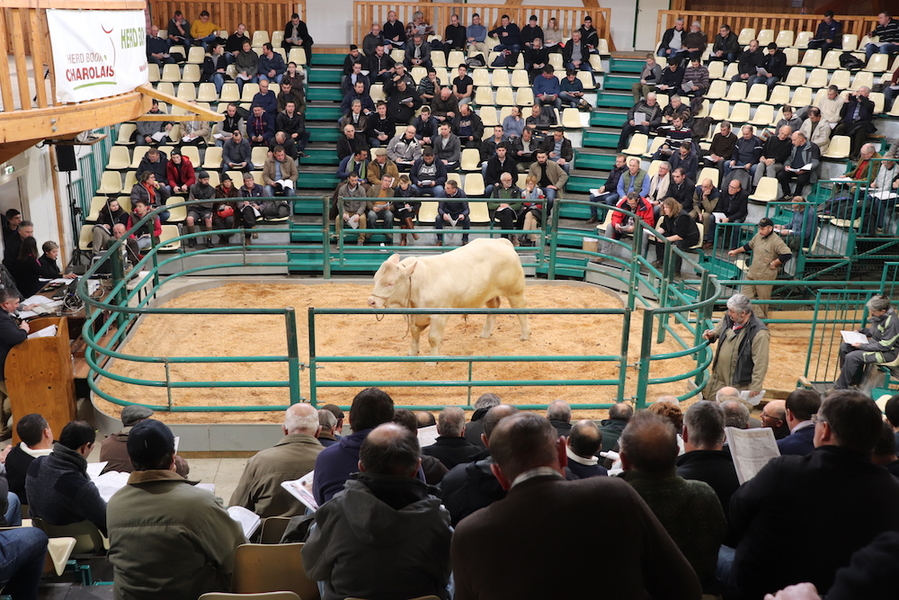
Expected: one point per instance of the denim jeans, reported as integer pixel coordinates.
(22, 555)
(13, 514)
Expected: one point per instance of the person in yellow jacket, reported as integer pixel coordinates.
(203, 30)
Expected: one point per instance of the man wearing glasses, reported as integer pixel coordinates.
(774, 415)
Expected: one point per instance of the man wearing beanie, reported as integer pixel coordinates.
(113, 449)
(167, 538)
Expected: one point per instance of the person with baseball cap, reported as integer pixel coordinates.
(167, 538)
(113, 448)
(769, 253)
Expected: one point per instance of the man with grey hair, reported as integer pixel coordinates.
(475, 426)
(857, 119)
(328, 423)
(882, 345)
(741, 359)
(672, 41)
(619, 416)
(736, 414)
(559, 415)
(704, 458)
(259, 488)
(451, 448)
(530, 464)
(384, 535)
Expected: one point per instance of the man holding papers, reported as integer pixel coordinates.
(741, 359)
(882, 343)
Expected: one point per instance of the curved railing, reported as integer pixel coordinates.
(676, 311)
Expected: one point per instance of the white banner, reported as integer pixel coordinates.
(97, 53)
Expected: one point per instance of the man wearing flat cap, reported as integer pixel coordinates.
(113, 449)
(167, 538)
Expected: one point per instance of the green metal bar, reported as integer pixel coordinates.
(490, 358)
(293, 353)
(313, 358)
(466, 383)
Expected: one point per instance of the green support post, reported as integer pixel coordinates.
(293, 354)
(313, 380)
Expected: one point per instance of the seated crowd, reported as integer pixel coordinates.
(25, 267)
(397, 520)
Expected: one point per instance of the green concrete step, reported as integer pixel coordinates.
(610, 100)
(603, 162)
(567, 267)
(598, 139)
(606, 119)
(626, 65)
(324, 94)
(305, 261)
(317, 181)
(325, 75)
(580, 183)
(619, 82)
(328, 59)
(323, 113)
(575, 211)
(320, 156)
(323, 133)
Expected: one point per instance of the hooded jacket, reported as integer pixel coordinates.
(381, 538)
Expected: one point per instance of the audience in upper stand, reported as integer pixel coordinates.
(671, 79)
(547, 88)
(476, 35)
(297, 34)
(887, 33)
(425, 126)
(530, 463)
(373, 39)
(58, 487)
(271, 65)
(749, 62)
(696, 78)
(402, 99)
(856, 120)
(575, 54)
(829, 34)
(247, 65)
(672, 41)
(509, 36)
(418, 53)
(259, 488)
(643, 116)
(454, 36)
(157, 48)
(801, 167)
(726, 46)
(394, 32)
(178, 30)
(167, 538)
(234, 43)
(203, 31)
(774, 68)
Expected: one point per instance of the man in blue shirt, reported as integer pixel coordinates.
(547, 88)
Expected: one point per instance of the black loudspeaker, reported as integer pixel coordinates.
(65, 158)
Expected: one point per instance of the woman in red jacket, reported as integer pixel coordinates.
(180, 173)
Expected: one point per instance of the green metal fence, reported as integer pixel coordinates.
(679, 311)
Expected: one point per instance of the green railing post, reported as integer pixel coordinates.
(293, 354)
(313, 380)
(644, 361)
(625, 346)
(326, 235)
(118, 276)
(635, 265)
(553, 238)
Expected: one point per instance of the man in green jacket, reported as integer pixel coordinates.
(167, 538)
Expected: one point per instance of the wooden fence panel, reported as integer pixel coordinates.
(711, 21)
(438, 16)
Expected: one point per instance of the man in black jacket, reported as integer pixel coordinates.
(857, 120)
(726, 46)
(734, 204)
(451, 447)
(297, 34)
(402, 101)
(494, 168)
(37, 440)
(775, 67)
(619, 416)
(11, 334)
(475, 426)
(750, 61)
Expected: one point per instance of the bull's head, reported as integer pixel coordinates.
(392, 283)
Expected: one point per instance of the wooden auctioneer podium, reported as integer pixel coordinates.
(39, 376)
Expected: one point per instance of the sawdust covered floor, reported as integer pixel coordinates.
(363, 335)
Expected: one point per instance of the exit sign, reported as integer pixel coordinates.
(9, 170)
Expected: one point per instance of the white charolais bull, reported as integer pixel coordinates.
(472, 276)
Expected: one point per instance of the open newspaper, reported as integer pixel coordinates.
(249, 521)
(301, 489)
(751, 449)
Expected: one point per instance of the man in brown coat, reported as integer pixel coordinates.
(568, 517)
(114, 449)
(259, 488)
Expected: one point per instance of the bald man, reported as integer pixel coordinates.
(774, 415)
(293, 457)
(384, 535)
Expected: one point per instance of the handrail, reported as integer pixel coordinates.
(438, 16)
(711, 21)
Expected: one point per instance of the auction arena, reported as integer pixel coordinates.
(220, 335)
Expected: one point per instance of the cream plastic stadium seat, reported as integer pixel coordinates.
(152, 73)
(491, 56)
(501, 79)
(214, 179)
(171, 74)
(864, 78)
(277, 38)
(87, 537)
(488, 117)
(187, 91)
(193, 153)
(663, 100)
(376, 91)
(768, 190)
(271, 567)
(438, 60)
(258, 156)
(704, 110)
(811, 59)
(483, 95)
(474, 184)
(504, 112)
(260, 38)
(831, 60)
(119, 158)
(879, 63)
(758, 93)
(717, 89)
(478, 212)
(716, 70)
(519, 78)
(195, 55)
(792, 55)
(796, 77)
(298, 55)
(126, 131)
(175, 131)
(480, 76)
(736, 92)
(765, 37)
(850, 42)
(709, 173)
(97, 204)
(165, 87)
(747, 34)
(177, 214)
(637, 145)
(894, 112)
(524, 97)
(230, 93)
(396, 55)
(784, 39)
(817, 79)
(571, 118)
(455, 58)
(587, 80)
(596, 63)
(418, 73)
(802, 39)
(820, 95)
(488, 133)
(167, 241)
(130, 180)
(207, 93)
(213, 158)
(427, 214)
(249, 90)
(555, 59)
(731, 70)
(657, 142)
(801, 97)
(653, 168)
(878, 100)
(739, 113)
(444, 75)
(520, 63)
(841, 79)
(504, 97)
(85, 237)
(603, 47)
(236, 177)
(471, 159)
(720, 110)
(763, 116)
(779, 95)
(177, 49)
(838, 148)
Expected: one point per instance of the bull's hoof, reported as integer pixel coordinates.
(486, 335)
(525, 338)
